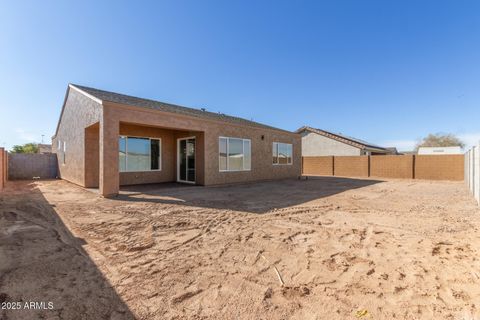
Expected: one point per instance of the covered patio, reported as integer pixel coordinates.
(141, 154)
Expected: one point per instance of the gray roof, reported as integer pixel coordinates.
(343, 138)
(168, 107)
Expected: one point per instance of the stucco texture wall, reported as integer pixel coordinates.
(168, 168)
(91, 130)
(208, 161)
(314, 145)
(79, 112)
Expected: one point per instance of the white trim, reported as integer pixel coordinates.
(243, 153)
(85, 93)
(186, 167)
(126, 152)
(282, 164)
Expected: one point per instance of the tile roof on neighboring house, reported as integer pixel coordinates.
(345, 139)
(393, 150)
(44, 148)
(167, 107)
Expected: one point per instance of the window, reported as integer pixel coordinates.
(64, 151)
(234, 154)
(59, 144)
(138, 154)
(282, 153)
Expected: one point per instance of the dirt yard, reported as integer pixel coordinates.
(326, 248)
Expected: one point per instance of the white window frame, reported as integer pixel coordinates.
(59, 144)
(126, 153)
(282, 164)
(243, 152)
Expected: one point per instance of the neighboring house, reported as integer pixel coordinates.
(44, 148)
(440, 150)
(105, 139)
(393, 151)
(316, 142)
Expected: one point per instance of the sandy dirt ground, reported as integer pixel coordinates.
(325, 248)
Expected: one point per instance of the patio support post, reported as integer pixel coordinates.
(109, 179)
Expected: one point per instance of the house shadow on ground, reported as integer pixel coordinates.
(42, 261)
(255, 197)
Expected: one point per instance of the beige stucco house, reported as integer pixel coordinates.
(105, 140)
(317, 142)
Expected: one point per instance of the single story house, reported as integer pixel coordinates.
(317, 142)
(105, 139)
(440, 150)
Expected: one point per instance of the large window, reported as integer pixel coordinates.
(139, 154)
(282, 153)
(235, 154)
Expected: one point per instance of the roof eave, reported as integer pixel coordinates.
(72, 86)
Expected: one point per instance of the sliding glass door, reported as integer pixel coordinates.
(186, 160)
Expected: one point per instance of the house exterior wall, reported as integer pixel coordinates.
(92, 156)
(439, 150)
(209, 132)
(79, 113)
(91, 131)
(314, 145)
(168, 138)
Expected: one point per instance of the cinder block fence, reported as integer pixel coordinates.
(3, 168)
(431, 167)
(472, 171)
(26, 166)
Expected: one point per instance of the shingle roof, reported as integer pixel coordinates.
(343, 138)
(167, 107)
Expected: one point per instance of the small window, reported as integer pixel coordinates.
(64, 151)
(234, 154)
(139, 154)
(282, 153)
(59, 145)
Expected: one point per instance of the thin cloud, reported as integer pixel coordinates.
(470, 139)
(25, 135)
(401, 145)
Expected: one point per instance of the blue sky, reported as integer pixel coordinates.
(388, 72)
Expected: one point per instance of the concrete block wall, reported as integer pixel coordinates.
(391, 166)
(439, 167)
(430, 167)
(3, 168)
(25, 166)
(351, 166)
(476, 173)
(472, 171)
(318, 165)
